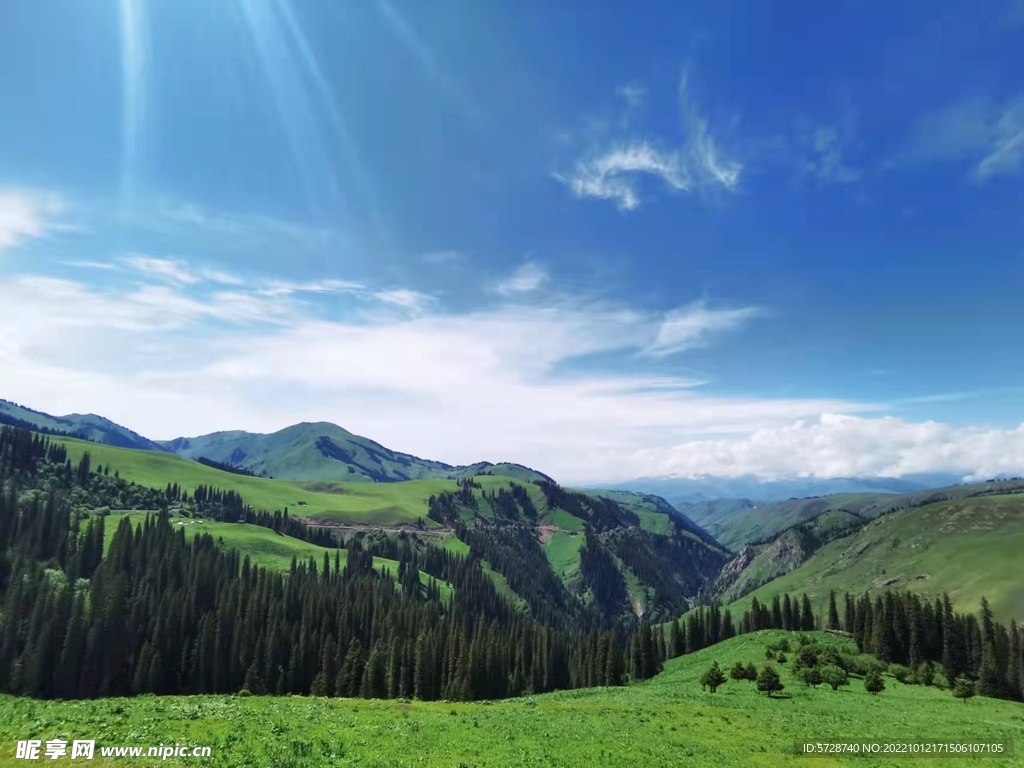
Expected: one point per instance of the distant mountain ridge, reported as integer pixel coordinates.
(709, 487)
(313, 451)
(87, 426)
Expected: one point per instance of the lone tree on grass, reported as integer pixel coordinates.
(768, 680)
(873, 682)
(751, 671)
(712, 678)
(963, 688)
(835, 676)
(738, 672)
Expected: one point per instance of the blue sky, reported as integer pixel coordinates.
(605, 240)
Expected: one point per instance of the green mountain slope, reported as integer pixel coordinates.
(655, 513)
(759, 523)
(714, 511)
(970, 548)
(324, 451)
(528, 535)
(87, 426)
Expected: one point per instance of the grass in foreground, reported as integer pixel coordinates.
(666, 721)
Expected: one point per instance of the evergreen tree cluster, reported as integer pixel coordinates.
(601, 575)
(225, 467)
(601, 513)
(911, 635)
(166, 615)
(161, 614)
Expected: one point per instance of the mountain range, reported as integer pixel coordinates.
(684, 490)
(325, 451)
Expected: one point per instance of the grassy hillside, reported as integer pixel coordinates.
(760, 523)
(88, 426)
(563, 551)
(324, 451)
(714, 511)
(655, 513)
(671, 556)
(371, 503)
(967, 547)
(665, 721)
(310, 451)
(783, 553)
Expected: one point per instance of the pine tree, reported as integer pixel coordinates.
(873, 682)
(1015, 667)
(963, 688)
(768, 680)
(833, 612)
(850, 618)
(675, 640)
(990, 682)
(806, 615)
(712, 678)
(738, 671)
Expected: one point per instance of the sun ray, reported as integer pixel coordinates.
(133, 66)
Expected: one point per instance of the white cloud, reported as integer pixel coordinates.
(175, 359)
(224, 278)
(693, 326)
(611, 176)
(402, 297)
(987, 134)
(699, 163)
(26, 213)
(835, 445)
(168, 269)
(528, 277)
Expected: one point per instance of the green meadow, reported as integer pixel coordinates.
(666, 721)
(366, 503)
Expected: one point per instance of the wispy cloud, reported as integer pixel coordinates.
(286, 287)
(987, 134)
(528, 277)
(612, 176)
(698, 163)
(446, 258)
(404, 298)
(167, 269)
(104, 265)
(695, 326)
(633, 94)
(825, 160)
(26, 214)
(219, 276)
